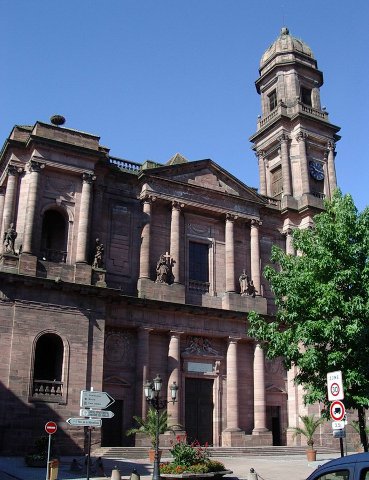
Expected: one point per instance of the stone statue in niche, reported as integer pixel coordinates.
(164, 267)
(247, 286)
(98, 261)
(9, 239)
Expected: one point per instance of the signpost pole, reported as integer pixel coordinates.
(48, 458)
(88, 453)
(341, 447)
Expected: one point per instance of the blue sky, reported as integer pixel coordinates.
(156, 77)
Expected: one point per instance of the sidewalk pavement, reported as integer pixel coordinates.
(292, 467)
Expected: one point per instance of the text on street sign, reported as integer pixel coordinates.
(335, 386)
(84, 422)
(85, 412)
(95, 399)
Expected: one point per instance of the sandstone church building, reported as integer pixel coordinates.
(112, 272)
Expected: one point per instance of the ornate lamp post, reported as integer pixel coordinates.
(152, 393)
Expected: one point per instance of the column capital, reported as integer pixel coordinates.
(256, 223)
(175, 333)
(13, 170)
(260, 154)
(34, 166)
(301, 136)
(88, 177)
(331, 145)
(231, 217)
(233, 340)
(147, 198)
(177, 205)
(284, 138)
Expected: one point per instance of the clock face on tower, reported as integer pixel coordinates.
(316, 170)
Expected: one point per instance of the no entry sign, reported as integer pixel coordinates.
(337, 411)
(51, 427)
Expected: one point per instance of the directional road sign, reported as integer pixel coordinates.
(51, 427)
(95, 399)
(84, 422)
(337, 410)
(85, 412)
(334, 385)
(338, 425)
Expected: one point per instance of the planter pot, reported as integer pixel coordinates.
(311, 455)
(152, 455)
(195, 476)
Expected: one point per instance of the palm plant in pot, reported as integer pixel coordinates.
(147, 426)
(310, 424)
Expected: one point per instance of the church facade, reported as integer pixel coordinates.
(112, 272)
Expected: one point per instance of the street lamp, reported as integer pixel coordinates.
(152, 393)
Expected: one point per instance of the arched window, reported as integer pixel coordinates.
(48, 368)
(54, 236)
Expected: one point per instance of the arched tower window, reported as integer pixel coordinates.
(48, 368)
(54, 236)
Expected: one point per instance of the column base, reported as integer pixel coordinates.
(27, 264)
(82, 273)
(233, 437)
(147, 288)
(244, 303)
(260, 431)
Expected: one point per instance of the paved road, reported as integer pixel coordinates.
(293, 467)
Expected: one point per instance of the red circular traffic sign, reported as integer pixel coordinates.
(335, 389)
(51, 427)
(337, 411)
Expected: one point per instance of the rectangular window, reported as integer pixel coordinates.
(276, 182)
(306, 96)
(198, 262)
(272, 100)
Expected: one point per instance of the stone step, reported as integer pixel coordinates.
(142, 452)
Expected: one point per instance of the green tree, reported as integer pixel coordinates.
(322, 299)
(148, 425)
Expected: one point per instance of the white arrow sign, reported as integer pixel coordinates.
(84, 422)
(85, 412)
(95, 399)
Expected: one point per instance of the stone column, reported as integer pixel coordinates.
(145, 238)
(290, 250)
(259, 392)
(262, 174)
(142, 369)
(232, 386)
(34, 168)
(9, 201)
(84, 217)
(229, 253)
(286, 170)
(174, 375)
(301, 138)
(175, 241)
(2, 201)
(331, 167)
(255, 254)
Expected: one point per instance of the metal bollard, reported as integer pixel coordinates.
(115, 474)
(134, 475)
(252, 475)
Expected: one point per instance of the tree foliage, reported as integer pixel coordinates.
(322, 299)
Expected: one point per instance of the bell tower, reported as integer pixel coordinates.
(295, 141)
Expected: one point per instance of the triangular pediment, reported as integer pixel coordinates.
(274, 389)
(115, 380)
(204, 174)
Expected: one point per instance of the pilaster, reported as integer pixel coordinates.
(262, 174)
(255, 254)
(84, 217)
(301, 138)
(229, 253)
(175, 238)
(286, 170)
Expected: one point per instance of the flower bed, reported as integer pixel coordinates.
(191, 461)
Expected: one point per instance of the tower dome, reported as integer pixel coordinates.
(286, 49)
